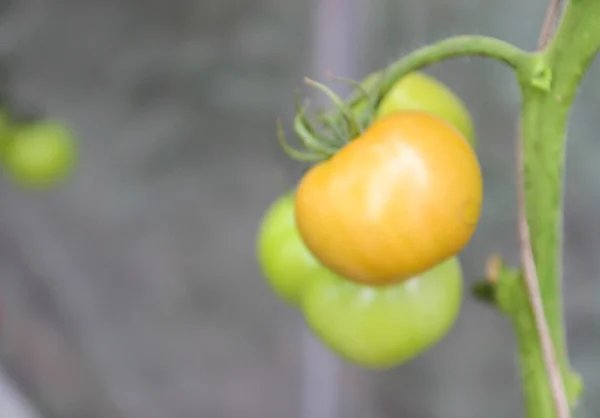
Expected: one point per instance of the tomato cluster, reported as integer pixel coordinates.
(36, 154)
(367, 244)
(376, 326)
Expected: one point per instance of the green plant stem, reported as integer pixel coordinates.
(545, 115)
(454, 47)
(547, 98)
(458, 46)
(543, 130)
(511, 298)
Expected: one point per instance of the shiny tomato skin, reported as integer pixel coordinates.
(399, 199)
(383, 326)
(284, 261)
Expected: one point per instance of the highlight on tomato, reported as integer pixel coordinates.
(40, 153)
(284, 261)
(394, 202)
(420, 91)
(384, 326)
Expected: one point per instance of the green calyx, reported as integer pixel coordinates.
(333, 128)
(349, 118)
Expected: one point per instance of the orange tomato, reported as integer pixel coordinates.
(394, 202)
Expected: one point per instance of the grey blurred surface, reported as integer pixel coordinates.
(132, 292)
(12, 402)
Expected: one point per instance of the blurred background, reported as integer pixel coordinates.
(133, 292)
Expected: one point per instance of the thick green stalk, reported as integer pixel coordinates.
(544, 124)
(511, 298)
(455, 47)
(538, 397)
(547, 99)
(545, 114)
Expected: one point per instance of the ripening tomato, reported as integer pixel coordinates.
(384, 326)
(419, 91)
(284, 260)
(394, 202)
(40, 153)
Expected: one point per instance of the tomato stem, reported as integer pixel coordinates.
(548, 93)
(456, 47)
(345, 122)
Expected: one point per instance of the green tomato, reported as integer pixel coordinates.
(381, 327)
(284, 260)
(6, 131)
(5, 121)
(419, 91)
(40, 154)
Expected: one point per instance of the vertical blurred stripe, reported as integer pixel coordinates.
(336, 29)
